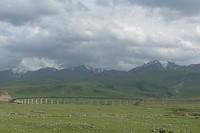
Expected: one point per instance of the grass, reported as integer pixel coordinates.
(55, 118)
(147, 86)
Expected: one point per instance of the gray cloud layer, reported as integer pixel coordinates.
(104, 33)
(169, 9)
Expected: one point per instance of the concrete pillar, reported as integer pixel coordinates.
(46, 101)
(41, 101)
(28, 101)
(57, 101)
(31, 101)
(36, 101)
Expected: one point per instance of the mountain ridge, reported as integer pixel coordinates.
(85, 71)
(151, 80)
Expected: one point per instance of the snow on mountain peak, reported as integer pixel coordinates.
(18, 72)
(152, 63)
(164, 64)
(93, 69)
(89, 68)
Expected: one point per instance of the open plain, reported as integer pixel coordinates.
(63, 118)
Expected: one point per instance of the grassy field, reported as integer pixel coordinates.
(180, 118)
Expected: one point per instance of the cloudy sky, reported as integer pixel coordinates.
(118, 34)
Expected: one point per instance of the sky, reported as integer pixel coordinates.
(109, 34)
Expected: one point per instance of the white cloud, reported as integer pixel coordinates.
(34, 31)
(186, 44)
(3, 40)
(126, 32)
(198, 30)
(125, 65)
(35, 63)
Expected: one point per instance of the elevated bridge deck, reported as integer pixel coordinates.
(76, 100)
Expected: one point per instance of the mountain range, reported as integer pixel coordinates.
(84, 71)
(151, 80)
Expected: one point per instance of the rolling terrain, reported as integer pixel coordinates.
(150, 81)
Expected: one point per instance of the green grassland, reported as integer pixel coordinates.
(167, 117)
(152, 85)
(179, 118)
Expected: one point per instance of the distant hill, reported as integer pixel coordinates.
(152, 80)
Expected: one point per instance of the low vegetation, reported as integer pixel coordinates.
(148, 118)
(160, 85)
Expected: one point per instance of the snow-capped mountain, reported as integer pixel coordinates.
(85, 71)
(93, 69)
(19, 72)
(194, 68)
(153, 66)
(156, 66)
(88, 68)
(66, 73)
(173, 66)
(78, 72)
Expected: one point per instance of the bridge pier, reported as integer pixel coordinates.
(36, 101)
(46, 101)
(41, 101)
(51, 101)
